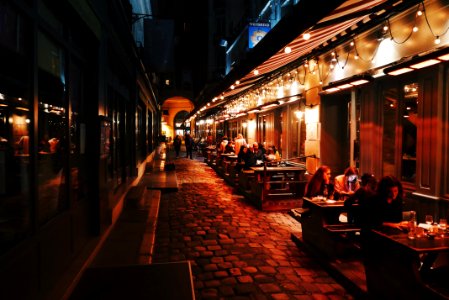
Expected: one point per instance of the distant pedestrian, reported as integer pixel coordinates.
(177, 144)
(189, 145)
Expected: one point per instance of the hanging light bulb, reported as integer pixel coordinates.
(419, 12)
(352, 43)
(306, 36)
(415, 28)
(287, 50)
(356, 56)
(437, 40)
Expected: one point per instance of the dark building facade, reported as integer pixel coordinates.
(79, 121)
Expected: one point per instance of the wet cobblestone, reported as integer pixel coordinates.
(236, 251)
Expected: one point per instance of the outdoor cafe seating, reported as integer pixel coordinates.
(383, 263)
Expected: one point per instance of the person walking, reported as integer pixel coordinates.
(189, 145)
(177, 144)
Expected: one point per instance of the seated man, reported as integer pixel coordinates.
(259, 156)
(347, 183)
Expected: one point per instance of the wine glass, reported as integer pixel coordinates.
(443, 224)
(429, 219)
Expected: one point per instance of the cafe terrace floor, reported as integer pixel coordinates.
(237, 251)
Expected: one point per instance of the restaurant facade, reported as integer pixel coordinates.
(79, 120)
(366, 86)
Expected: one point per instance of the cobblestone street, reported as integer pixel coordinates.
(237, 251)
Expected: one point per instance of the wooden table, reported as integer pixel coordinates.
(273, 184)
(399, 268)
(321, 228)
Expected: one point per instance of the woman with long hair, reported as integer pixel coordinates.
(319, 184)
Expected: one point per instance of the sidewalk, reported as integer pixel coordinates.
(236, 251)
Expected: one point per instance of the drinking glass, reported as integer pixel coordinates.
(429, 219)
(443, 226)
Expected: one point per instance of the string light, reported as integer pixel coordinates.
(310, 66)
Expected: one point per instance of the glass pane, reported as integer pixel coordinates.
(52, 137)
(409, 116)
(14, 170)
(390, 108)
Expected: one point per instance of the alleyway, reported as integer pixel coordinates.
(237, 251)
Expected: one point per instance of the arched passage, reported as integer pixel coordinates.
(174, 108)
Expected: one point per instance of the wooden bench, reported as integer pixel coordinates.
(168, 281)
(393, 270)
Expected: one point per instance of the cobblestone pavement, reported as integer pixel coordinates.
(236, 251)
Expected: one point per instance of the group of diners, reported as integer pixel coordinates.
(248, 155)
(369, 202)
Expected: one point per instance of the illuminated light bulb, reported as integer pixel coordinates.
(256, 72)
(356, 57)
(332, 66)
(419, 13)
(437, 40)
(237, 82)
(415, 29)
(321, 82)
(385, 28)
(232, 87)
(287, 50)
(352, 44)
(306, 36)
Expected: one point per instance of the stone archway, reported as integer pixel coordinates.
(178, 121)
(172, 108)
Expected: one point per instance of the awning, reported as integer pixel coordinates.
(345, 18)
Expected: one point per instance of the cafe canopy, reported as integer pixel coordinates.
(341, 25)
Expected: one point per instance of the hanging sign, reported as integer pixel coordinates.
(256, 32)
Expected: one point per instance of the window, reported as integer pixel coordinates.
(400, 111)
(52, 133)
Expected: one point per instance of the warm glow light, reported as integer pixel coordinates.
(400, 71)
(298, 114)
(359, 82)
(244, 124)
(306, 36)
(415, 29)
(345, 86)
(331, 90)
(426, 63)
(444, 57)
(287, 50)
(256, 72)
(437, 40)
(232, 87)
(253, 110)
(237, 82)
(269, 106)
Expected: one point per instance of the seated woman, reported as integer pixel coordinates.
(385, 207)
(229, 148)
(272, 155)
(245, 159)
(347, 183)
(320, 184)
